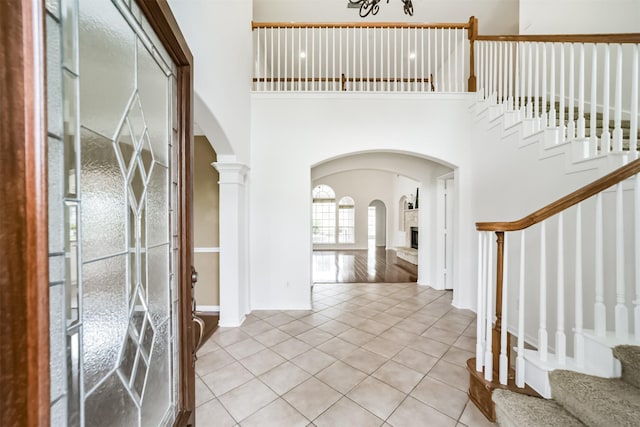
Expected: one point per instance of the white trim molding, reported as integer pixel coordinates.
(208, 250)
(208, 308)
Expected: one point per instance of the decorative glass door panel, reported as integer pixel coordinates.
(113, 217)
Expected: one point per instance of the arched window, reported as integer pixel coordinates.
(346, 220)
(324, 214)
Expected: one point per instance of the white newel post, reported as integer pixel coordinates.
(233, 284)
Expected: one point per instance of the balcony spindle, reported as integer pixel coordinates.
(581, 86)
(521, 307)
(510, 79)
(517, 78)
(578, 337)
(600, 311)
(617, 112)
(542, 330)
(449, 83)
(444, 87)
(593, 122)
(429, 52)
(621, 313)
(561, 121)
(272, 59)
(543, 115)
(561, 338)
(552, 121)
(605, 139)
(536, 99)
(633, 128)
(488, 354)
(422, 60)
(530, 82)
(313, 58)
(571, 126)
(504, 360)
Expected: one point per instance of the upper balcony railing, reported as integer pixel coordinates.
(363, 57)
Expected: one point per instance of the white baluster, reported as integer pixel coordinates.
(368, 62)
(504, 361)
(442, 63)
(636, 315)
(480, 338)
(621, 313)
(593, 137)
(511, 80)
(299, 62)
(361, 57)
(571, 125)
(542, 330)
(456, 55)
(600, 311)
(340, 68)
(530, 83)
(561, 338)
(256, 65)
(517, 101)
(605, 139)
(306, 61)
(422, 32)
(488, 353)
(581, 121)
(544, 115)
(500, 76)
(562, 123)
(395, 58)
(633, 127)
(313, 58)
(617, 112)
(449, 83)
(429, 69)
(505, 74)
(389, 59)
(272, 58)
(415, 59)
(552, 89)
(495, 67)
(578, 337)
(536, 96)
(285, 57)
(521, 307)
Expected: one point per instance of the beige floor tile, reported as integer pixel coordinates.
(451, 374)
(466, 343)
(227, 378)
(284, 377)
(291, 348)
(312, 397)
(257, 327)
(248, 398)
(315, 337)
(412, 326)
(227, 336)
(412, 413)
(213, 361)
(262, 361)
(341, 376)
(445, 398)
(452, 325)
(347, 413)
(458, 356)
(472, 417)
(364, 360)
(356, 336)
(295, 328)
(209, 346)
(212, 414)
(441, 335)
(271, 337)
(276, 414)
(399, 336)
(429, 346)
(403, 313)
(337, 348)
(334, 327)
(383, 347)
(416, 360)
(313, 361)
(245, 348)
(279, 319)
(203, 394)
(373, 327)
(376, 397)
(398, 376)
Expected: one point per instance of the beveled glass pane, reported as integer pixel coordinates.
(59, 412)
(146, 155)
(107, 66)
(141, 375)
(110, 405)
(58, 342)
(158, 283)
(153, 88)
(54, 78)
(105, 316)
(57, 269)
(73, 378)
(157, 206)
(157, 397)
(136, 185)
(103, 201)
(72, 262)
(147, 338)
(53, 7)
(128, 357)
(174, 106)
(126, 146)
(70, 114)
(69, 12)
(56, 195)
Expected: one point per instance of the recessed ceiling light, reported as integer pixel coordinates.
(303, 55)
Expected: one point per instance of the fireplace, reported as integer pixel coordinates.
(414, 237)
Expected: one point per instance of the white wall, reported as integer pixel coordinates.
(292, 133)
(495, 16)
(579, 16)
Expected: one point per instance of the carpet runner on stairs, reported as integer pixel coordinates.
(579, 399)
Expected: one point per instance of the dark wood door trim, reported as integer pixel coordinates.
(164, 24)
(24, 291)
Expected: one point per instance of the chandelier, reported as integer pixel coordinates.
(371, 7)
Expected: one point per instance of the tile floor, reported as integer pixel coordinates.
(366, 355)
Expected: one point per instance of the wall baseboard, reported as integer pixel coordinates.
(208, 308)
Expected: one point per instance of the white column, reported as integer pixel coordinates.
(233, 282)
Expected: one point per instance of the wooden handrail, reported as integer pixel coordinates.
(255, 25)
(609, 180)
(566, 38)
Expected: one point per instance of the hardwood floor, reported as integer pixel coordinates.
(376, 265)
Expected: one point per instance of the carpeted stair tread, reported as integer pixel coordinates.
(597, 402)
(629, 356)
(518, 410)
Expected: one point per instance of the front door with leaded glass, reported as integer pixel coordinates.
(115, 224)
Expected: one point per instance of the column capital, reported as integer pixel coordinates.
(231, 172)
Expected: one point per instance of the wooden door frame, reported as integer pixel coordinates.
(24, 266)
